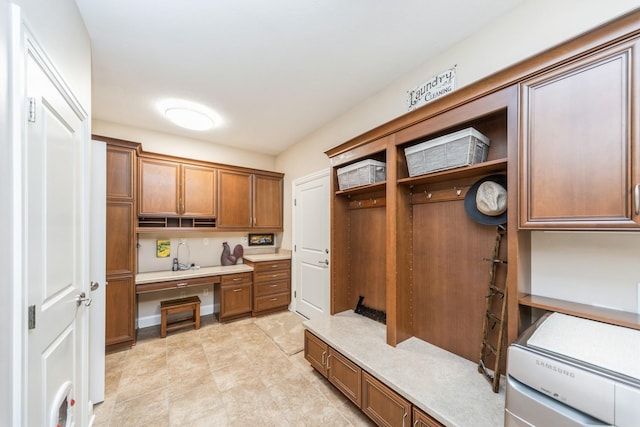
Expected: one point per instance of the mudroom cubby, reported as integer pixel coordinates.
(408, 245)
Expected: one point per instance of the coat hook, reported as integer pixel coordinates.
(458, 191)
(428, 194)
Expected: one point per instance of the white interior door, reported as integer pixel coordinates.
(311, 245)
(56, 235)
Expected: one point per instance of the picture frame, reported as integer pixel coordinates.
(261, 239)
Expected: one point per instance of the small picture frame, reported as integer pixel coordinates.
(261, 239)
(163, 248)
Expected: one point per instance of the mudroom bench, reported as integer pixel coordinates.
(419, 383)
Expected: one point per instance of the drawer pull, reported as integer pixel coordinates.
(237, 290)
(636, 193)
(273, 286)
(274, 266)
(181, 285)
(236, 279)
(273, 299)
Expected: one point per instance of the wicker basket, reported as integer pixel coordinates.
(462, 148)
(361, 173)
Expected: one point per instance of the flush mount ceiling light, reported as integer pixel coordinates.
(188, 115)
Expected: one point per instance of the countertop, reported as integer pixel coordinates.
(267, 257)
(442, 384)
(164, 276)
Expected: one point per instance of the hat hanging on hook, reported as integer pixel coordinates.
(486, 200)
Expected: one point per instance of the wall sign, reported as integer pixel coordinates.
(433, 88)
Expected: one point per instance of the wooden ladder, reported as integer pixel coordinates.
(495, 316)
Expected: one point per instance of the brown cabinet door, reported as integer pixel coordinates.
(316, 352)
(159, 188)
(120, 312)
(420, 419)
(120, 257)
(579, 131)
(235, 300)
(383, 405)
(345, 376)
(198, 191)
(234, 200)
(120, 166)
(267, 202)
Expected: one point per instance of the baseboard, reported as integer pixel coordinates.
(154, 320)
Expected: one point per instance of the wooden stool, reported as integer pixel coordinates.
(179, 306)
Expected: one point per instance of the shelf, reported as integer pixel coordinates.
(378, 186)
(485, 168)
(152, 224)
(615, 317)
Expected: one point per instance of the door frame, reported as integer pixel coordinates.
(295, 286)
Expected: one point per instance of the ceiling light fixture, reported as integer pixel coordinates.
(188, 115)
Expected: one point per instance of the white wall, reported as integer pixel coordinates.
(156, 142)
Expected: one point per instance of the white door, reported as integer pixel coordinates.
(56, 268)
(311, 239)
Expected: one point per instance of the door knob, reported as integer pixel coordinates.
(94, 286)
(325, 262)
(82, 298)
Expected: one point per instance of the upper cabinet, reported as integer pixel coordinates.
(172, 189)
(249, 200)
(579, 143)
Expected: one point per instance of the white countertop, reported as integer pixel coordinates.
(164, 276)
(267, 257)
(442, 384)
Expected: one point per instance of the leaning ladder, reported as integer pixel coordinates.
(496, 298)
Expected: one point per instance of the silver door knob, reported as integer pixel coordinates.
(94, 286)
(82, 298)
(325, 262)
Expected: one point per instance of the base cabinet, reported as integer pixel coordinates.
(234, 294)
(271, 286)
(379, 402)
(383, 405)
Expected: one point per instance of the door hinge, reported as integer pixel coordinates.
(32, 110)
(295, 202)
(295, 294)
(32, 317)
(295, 248)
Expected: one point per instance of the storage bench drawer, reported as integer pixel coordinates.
(260, 267)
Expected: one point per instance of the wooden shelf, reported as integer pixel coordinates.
(492, 166)
(378, 186)
(615, 317)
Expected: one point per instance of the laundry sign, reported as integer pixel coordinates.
(437, 86)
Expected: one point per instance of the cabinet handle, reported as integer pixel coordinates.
(273, 299)
(181, 285)
(415, 423)
(636, 194)
(237, 279)
(237, 290)
(324, 353)
(328, 364)
(404, 417)
(274, 266)
(273, 286)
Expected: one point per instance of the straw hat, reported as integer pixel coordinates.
(486, 200)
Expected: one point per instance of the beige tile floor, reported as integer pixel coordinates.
(220, 375)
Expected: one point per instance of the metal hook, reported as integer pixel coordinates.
(458, 190)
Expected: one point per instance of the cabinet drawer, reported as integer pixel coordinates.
(383, 405)
(345, 376)
(272, 301)
(269, 288)
(235, 279)
(266, 266)
(269, 276)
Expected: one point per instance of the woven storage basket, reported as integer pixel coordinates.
(362, 173)
(462, 148)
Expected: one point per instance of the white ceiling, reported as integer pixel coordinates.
(274, 70)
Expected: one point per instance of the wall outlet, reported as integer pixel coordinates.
(206, 291)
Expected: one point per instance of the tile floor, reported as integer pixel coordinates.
(220, 375)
